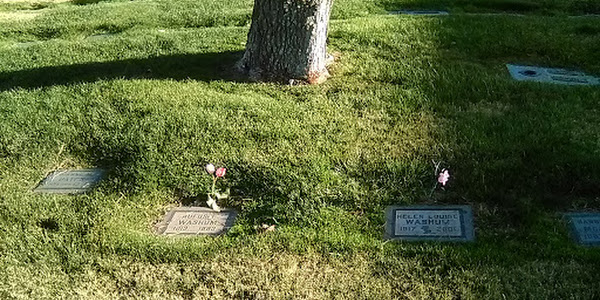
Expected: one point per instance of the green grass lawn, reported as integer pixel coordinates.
(145, 89)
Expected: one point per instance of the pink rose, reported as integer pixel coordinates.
(220, 172)
(444, 177)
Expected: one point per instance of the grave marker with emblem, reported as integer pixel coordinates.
(551, 75)
(420, 12)
(430, 223)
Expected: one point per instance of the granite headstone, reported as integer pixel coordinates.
(420, 12)
(196, 221)
(585, 228)
(430, 223)
(70, 181)
(551, 75)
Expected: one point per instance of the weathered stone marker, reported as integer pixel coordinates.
(585, 228)
(430, 223)
(100, 36)
(70, 181)
(551, 75)
(420, 12)
(26, 44)
(196, 221)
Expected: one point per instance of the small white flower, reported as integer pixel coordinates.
(210, 169)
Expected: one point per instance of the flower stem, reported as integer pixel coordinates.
(432, 190)
(213, 185)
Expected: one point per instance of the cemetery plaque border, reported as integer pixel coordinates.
(466, 223)
(162, 227)
(575, 233)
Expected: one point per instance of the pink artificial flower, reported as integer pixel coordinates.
(220, 172)
(443, 177)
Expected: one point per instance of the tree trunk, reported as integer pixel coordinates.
(288, 40)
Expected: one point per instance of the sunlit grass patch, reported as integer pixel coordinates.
(18, 16)
(153, 98)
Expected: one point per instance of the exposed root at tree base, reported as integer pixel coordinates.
(258, 75)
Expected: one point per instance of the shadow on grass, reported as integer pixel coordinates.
(579, 7)
(494, 5)
(518, 6)
(524, 148)
(204, 67)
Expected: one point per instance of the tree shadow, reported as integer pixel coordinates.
(203, 67)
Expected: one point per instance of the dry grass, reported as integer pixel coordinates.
(18, 15)
(281, 276)
(292, 276)
(32, 1)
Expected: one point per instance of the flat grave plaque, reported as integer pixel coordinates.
(26, 44)
(100, 36)
(585, 228)
(420, 12)
(430, 223)
(196, 221)
(551, 75)
(70, 181)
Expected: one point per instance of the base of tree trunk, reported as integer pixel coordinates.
(288, 41)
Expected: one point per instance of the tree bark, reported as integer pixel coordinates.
(288, 40)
